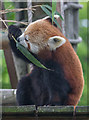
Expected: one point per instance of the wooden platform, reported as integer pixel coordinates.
(10, 110)
(45, 113)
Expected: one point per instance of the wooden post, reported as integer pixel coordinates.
(71, 22)
(10, 67)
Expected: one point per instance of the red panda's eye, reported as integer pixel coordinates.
(56, 40)
(26, 39)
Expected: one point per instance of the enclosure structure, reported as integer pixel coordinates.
(44, 113)
(30, 112)
(11, 111)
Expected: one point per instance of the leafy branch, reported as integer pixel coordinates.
(51, 11)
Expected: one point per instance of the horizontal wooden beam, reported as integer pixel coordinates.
(30, 112)
(8, 97)
(45, 113)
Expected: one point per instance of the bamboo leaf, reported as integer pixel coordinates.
(29, 56)
(46, 10)
(49, 7)
(59, 15)
(53, 9)
(56, 12)
(57, 23)
(54, 4)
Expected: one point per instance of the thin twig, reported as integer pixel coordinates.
(13, 10)
(14, 38)
(18, 10)
(7, 28)
(25, 23)
(36, 6)
(4, 23)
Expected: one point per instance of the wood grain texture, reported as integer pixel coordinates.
(44, 113)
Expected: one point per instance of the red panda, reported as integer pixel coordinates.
(63, 85)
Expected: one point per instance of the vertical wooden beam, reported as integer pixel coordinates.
(11, 67)
(76, 24)
(71, 21)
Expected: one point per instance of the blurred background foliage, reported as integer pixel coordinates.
(81, 50)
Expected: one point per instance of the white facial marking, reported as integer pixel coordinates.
(34, 48)
(21, 36)
(22, 41)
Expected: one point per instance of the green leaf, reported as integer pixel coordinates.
(29, 56)
(56, 12)
(46, 10)
(49, 7)
(54, 4)
(57, 23)
(59, 15)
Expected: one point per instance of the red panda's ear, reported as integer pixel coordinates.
(47, 17)
(50, 20)
(56, 42)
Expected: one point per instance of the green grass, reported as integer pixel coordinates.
(5, 77)
(83, 11)
(82, 53)
(0, 70)
(5, 83)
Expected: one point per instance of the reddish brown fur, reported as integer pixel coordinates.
(73, 71)
(64, 55)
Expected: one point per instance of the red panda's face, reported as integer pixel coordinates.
(41, 35)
